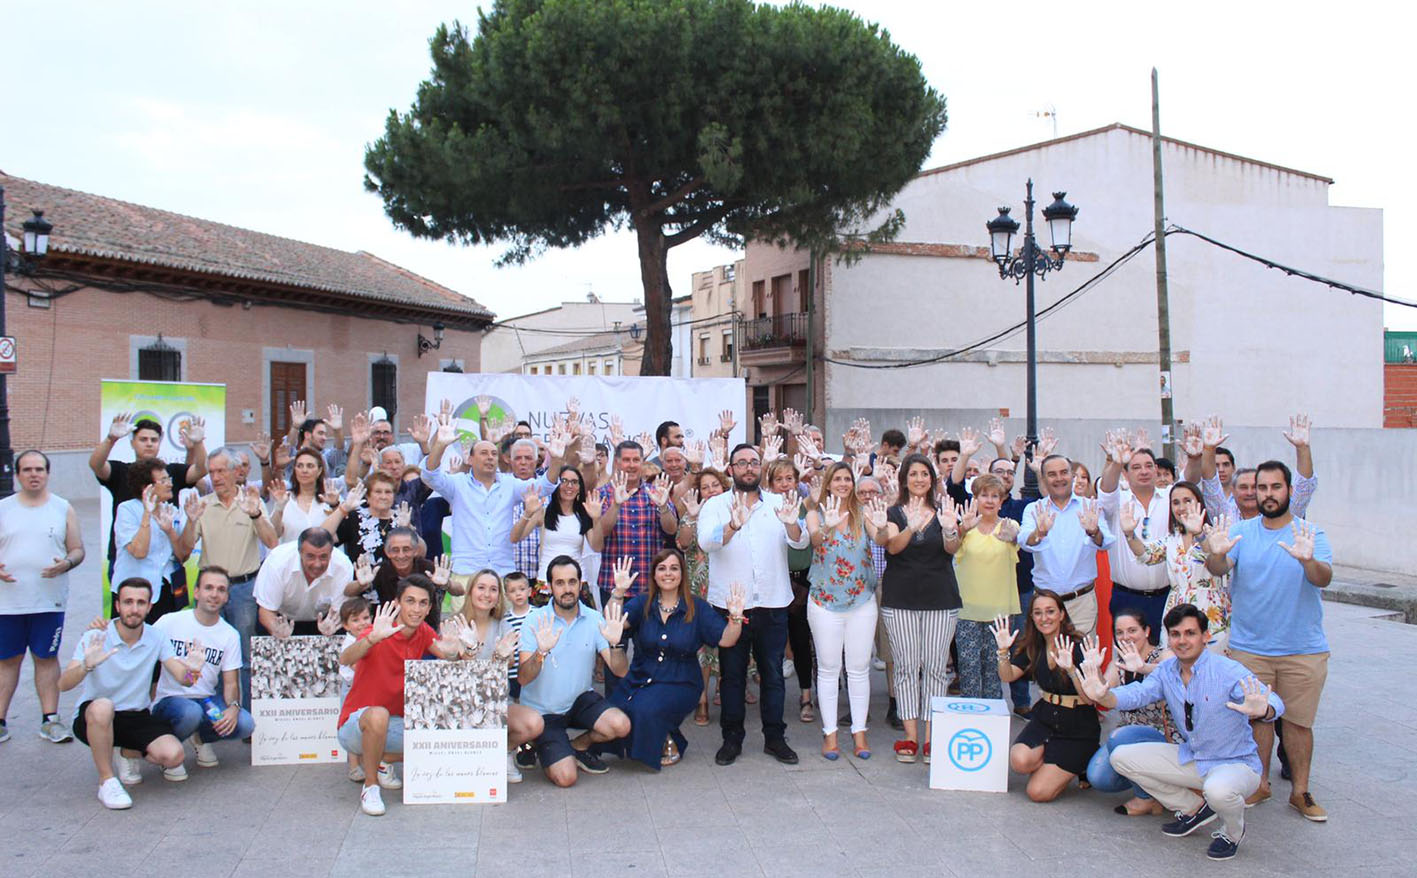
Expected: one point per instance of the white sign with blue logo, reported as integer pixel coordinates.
(969, 743)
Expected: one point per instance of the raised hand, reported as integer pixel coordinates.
(914, 432)
(281, 627)
(251, 501)
(1191, 443)
(195, 658)
(737, 597)
(793, 421)
(1093, 685)
(1088, 514)
(352, 500)
(772, 449)
(593, 505)
(808, 447)
(949, 516)
(1256, 700)
(876, 513)
(659, 489)
(283, 454)
(1213, 434)
(1193, 520)
(617, 431)
(969, 515)
(573, 410)
(365, 570)
(445, 409)
(1006, 531)
(718, 449)
(739, 512)
(297, 413)
(1047, 444)
(403, 515)
(1298, 432)
(1303, 548)
(1127, 516)
(726, 423)
(768, 424)
(1218, 541)
(970, 442)
(261, 447)
(832, 513)
(279, 492)
(1043, 518)
(421, 428)
(694, 451)
(149, 499)
(918, 513)
(996, 435)
(484, 405)
(446, 434)
(359, 428)
(193, 432)
(458, 637)
(1063, 653)
(164, 515)
(1141, 439)
(622, 488)
(506, 646)
(442, 570)
(1129, 658)
(122, 425)
(859, 465)
(614, 626)
(1092, 651)
(547, 634)
(623, 577)
(386, 623)
(1003, 637)
(330, 496)
(94, 654)
(329, 623)
(691, 503)
(585, 449)
(787, 512)
(556, 446)
(334, 417)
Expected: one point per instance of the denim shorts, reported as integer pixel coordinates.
(352, 739)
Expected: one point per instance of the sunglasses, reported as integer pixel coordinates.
(1190, 727)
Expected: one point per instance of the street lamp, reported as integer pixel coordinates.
(426, 344)
(36, 243)
(1031, 262)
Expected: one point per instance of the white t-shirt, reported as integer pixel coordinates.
(346, 672)
(31, 537)
(223, 648)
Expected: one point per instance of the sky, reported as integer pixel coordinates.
(257, 113)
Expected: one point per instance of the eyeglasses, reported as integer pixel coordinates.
(571, 482)
(1003, 471)
(1190, 727)
(750, 464)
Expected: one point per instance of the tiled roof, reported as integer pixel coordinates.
(106, 228)
(601, 341)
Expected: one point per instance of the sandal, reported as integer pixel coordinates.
(701, 714)
(806, 714)
(670, 755)
(832, 753)
(859, 744)
(905, 751)
(927, 752)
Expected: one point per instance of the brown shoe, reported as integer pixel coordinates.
(1260, 795)
(1304, 803)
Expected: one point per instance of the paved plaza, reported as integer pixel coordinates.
(756, 817)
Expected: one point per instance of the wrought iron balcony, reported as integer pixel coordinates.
(774, 331)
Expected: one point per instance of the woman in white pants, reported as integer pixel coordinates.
(841, 605)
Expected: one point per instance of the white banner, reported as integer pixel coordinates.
(455, 732)
(641, 403)
(295, 700)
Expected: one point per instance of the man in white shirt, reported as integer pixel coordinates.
(40, 543)
(201, 712)
(1135, 585)
(114, 668)
(299, 582)
(746, 534)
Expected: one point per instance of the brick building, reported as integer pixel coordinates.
(128, 291)
(1399, 379)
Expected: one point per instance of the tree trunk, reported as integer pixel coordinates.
(654, 275)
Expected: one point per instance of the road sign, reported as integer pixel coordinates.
(8, 360)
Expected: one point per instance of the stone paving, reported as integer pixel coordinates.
(756, 817)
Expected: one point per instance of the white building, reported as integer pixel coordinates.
(509, 343)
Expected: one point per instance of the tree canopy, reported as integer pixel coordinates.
(726, 119)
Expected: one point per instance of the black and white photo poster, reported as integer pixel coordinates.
(455, 732)
(295, 700)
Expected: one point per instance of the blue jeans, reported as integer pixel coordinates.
(186, 717)
(240, 611)
(1018, 689)
(766, 635)
(1153, 605)
(1100, 772)
(351, 737)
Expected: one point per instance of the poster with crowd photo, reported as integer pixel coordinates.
(295, 700)
(172, 404)
(455, 732)
(641, 403)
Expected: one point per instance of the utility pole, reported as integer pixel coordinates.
(811, 348)
(1163, 307)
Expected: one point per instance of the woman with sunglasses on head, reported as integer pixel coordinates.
(1062, 732)
(919, 596)
(307, 501)
(1135, 658)
(1183, 553)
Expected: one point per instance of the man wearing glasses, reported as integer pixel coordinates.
(746, 534)
(1212, 699)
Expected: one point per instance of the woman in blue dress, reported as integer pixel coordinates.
(667, 625)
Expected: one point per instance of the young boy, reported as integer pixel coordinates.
(355, 617)
(517, 589)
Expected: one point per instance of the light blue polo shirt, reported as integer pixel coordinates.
(126, 677)
(1274, 608)
(568, 670)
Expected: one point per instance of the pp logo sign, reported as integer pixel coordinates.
(970, 750)
(968, 707)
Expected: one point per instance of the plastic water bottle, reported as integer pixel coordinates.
(213, 710)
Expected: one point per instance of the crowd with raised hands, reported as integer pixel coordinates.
(630, 582)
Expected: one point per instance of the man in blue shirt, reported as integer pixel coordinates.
(559, 645)
(1063, 533)
(1277, 619)
(1212, 700)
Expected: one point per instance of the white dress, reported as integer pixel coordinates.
(566, 539)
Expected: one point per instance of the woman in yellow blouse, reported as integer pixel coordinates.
(984, 566)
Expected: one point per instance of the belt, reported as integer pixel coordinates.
(1086, 589)
(238, 580)
(1117, 586)
(1061, 700)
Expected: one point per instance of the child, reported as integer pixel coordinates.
(355, 617)
(517, 589)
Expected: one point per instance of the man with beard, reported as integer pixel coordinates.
(371, 719)
(746, 534)
(1276, 618)
(559, 645)
(1230, 491)
(114, 667)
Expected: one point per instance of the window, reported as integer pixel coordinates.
(384, 385)
(703, 350)
(803, 289)
(590, 368)
(726, 356)
(760, 305)
(609, 367)
(532, 370)
(575, 368)
(561, 368)
(159, 361)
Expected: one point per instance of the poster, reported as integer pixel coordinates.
(641, 403)
(295, 700)
(455, 732)
(171, 404)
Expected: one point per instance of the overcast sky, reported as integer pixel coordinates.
(257, 113)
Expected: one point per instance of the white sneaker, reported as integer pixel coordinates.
(877, 664)
(356, 773)
(55, 731)
(788, 668)
(389, 777)
(206, 753)
(113, 796)
(514, 774)
(371, 802)
(176, 774)
(130, 771)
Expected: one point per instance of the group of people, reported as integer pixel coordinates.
(719, 561)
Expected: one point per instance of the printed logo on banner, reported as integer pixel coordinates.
(967, 707)
(970, 750)
(466, 411)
